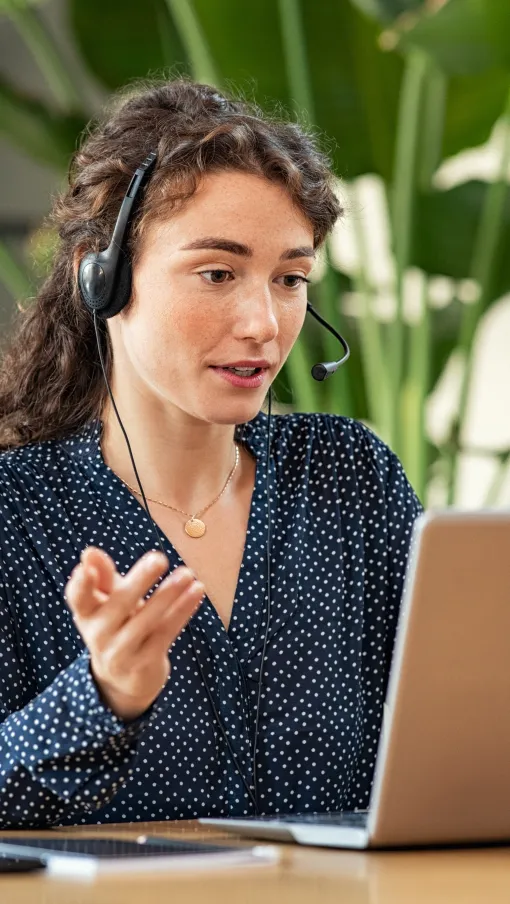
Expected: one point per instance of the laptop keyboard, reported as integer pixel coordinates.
(356, 819)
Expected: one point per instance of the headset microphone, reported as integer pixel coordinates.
(324, 370)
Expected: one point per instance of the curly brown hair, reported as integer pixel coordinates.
(50, 378)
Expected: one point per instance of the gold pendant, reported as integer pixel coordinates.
(195, 528)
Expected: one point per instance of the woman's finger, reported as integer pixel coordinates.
(123, 602)
(80, 593)
(173, 622)
(148, 619)
(103, 565)
(176, 589)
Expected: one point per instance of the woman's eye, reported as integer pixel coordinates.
(301, 280)
(216, 275)
(219, 277)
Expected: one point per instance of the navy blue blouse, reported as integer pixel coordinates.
(342, 513)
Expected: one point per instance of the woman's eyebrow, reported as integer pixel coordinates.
(211, 243)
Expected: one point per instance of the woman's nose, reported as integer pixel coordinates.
(256, 318)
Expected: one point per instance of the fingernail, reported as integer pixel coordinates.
(155, 558)
(179, 576)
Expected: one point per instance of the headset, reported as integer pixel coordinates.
(104, 282)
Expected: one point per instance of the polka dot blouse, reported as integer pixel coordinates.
(342, 514)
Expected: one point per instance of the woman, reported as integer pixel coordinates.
(253, 715)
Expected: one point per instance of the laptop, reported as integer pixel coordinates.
(442, 773)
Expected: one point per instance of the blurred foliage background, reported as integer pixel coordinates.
(394, 87)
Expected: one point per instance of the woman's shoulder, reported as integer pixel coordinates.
(31, 469)
(344, 438)
(320, 441)
(362, 460)
(45, 455)
(32, 456)
(21, 471)
(323, 426)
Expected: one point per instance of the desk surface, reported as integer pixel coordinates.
(303, 875)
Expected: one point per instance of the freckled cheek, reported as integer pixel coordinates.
(290, 324)
(176, 334)
(193, 322)
(195, 331)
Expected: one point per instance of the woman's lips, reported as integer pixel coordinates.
(234, 379)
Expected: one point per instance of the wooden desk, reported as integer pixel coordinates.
(303, 876)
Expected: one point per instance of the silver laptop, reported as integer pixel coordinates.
(442, 774)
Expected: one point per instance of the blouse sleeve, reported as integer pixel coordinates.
(395, 506)
(63, 754)
(401, 507)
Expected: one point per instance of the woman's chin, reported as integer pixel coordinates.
(239, 412)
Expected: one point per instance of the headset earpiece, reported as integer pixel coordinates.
(105, 284)
(104, 277)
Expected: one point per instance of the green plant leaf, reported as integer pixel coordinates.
(46, 136)
(46, 52)
(202, 65)
(445, 234)
(474, 99)
(135, 39)
(464, 36)
(473, 104)
(12, 274)
(6, 6)
(355, 85)
(386, 10)
(245, 42)
(445, 326)
(352, 372)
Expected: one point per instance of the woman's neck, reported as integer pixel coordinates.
(180, 460)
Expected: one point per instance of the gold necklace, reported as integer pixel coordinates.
(194, 527)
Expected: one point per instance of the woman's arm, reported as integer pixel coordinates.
(394, 506)
(64, 754)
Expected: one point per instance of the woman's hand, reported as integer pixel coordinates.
(129, 637)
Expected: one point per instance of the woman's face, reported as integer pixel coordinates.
(221, 282)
